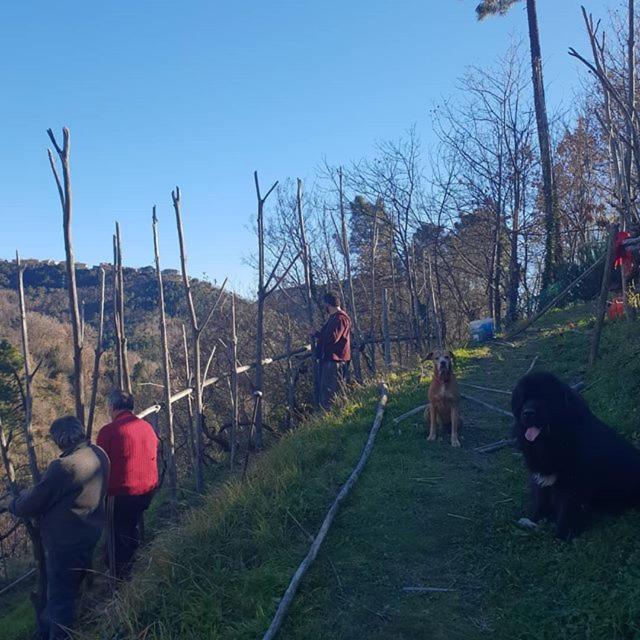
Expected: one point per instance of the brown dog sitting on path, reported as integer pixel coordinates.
(444, 397)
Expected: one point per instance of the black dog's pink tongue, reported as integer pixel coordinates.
(532, 433)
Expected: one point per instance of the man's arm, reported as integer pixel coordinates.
(339, 328)
(35, 501)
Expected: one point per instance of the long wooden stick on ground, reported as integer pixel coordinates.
(413, 412)
(491, 389)
(487, 405)
(290, 593)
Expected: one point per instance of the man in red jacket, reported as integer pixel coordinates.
(132, 447)
(333, 349)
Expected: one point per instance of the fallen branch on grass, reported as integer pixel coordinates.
(290, 593)
(487, 405)
(413, 412)
(494, 446)
(17, 581)
(479, 388)
(533, 364)
(426, 590)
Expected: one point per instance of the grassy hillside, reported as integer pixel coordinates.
(422, 514)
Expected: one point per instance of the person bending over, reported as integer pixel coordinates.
(69, 507)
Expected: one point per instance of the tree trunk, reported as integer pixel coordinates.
(385, 330)
(126, 376)
(195, 345)
(64, 191)
(233, 434)
(28, 379)
(357, 334)
(169, 449)
(97, 357)
(553, 247)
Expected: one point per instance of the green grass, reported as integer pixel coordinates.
(422, 514)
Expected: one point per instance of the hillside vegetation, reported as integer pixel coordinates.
(423, 514)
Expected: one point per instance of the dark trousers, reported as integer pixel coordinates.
(66, 568)
(127, 511)
(333, 376)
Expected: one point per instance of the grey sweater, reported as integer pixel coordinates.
(69, 500)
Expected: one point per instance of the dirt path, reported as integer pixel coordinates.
(427, 515)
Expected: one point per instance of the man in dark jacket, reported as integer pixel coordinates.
(132, 447)
(333, 349)
(68, 504)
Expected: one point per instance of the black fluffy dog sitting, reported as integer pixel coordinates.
(577, 462)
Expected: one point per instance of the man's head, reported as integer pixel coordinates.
(118, 401)
(67, 432)
(331, 301)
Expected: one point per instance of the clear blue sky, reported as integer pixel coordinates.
(200, 93)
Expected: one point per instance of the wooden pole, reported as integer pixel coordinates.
(187, 383)
(290, 593)
(385, 330)
(601, 308)
(195, 346)
(346, 254)
(263, 293)
(126, 376)
(99, 350)
(169, 439)
(116, 318)
(234, 384)
(28, 378)
(64, 191)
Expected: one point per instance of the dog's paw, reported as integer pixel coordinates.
(455, 442)
(432, 437)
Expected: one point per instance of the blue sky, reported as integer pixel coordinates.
(200, 93)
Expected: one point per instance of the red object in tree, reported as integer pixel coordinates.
(624, 258)
(616, 309)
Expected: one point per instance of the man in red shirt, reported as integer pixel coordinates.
(132, 447)
(333, 349)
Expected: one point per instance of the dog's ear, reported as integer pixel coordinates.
(429, 356)
(451, 355)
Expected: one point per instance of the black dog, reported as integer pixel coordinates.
(577, 462)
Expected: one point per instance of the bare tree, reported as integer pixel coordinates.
(266, 286)
(99, 351)
(29, 374)
(64, 191)
(196, 347)
(169, 439)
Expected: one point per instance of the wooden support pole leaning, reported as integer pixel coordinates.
(601, 307)
(290, 593)
(557, 299)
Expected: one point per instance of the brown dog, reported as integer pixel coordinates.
(444, 397)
